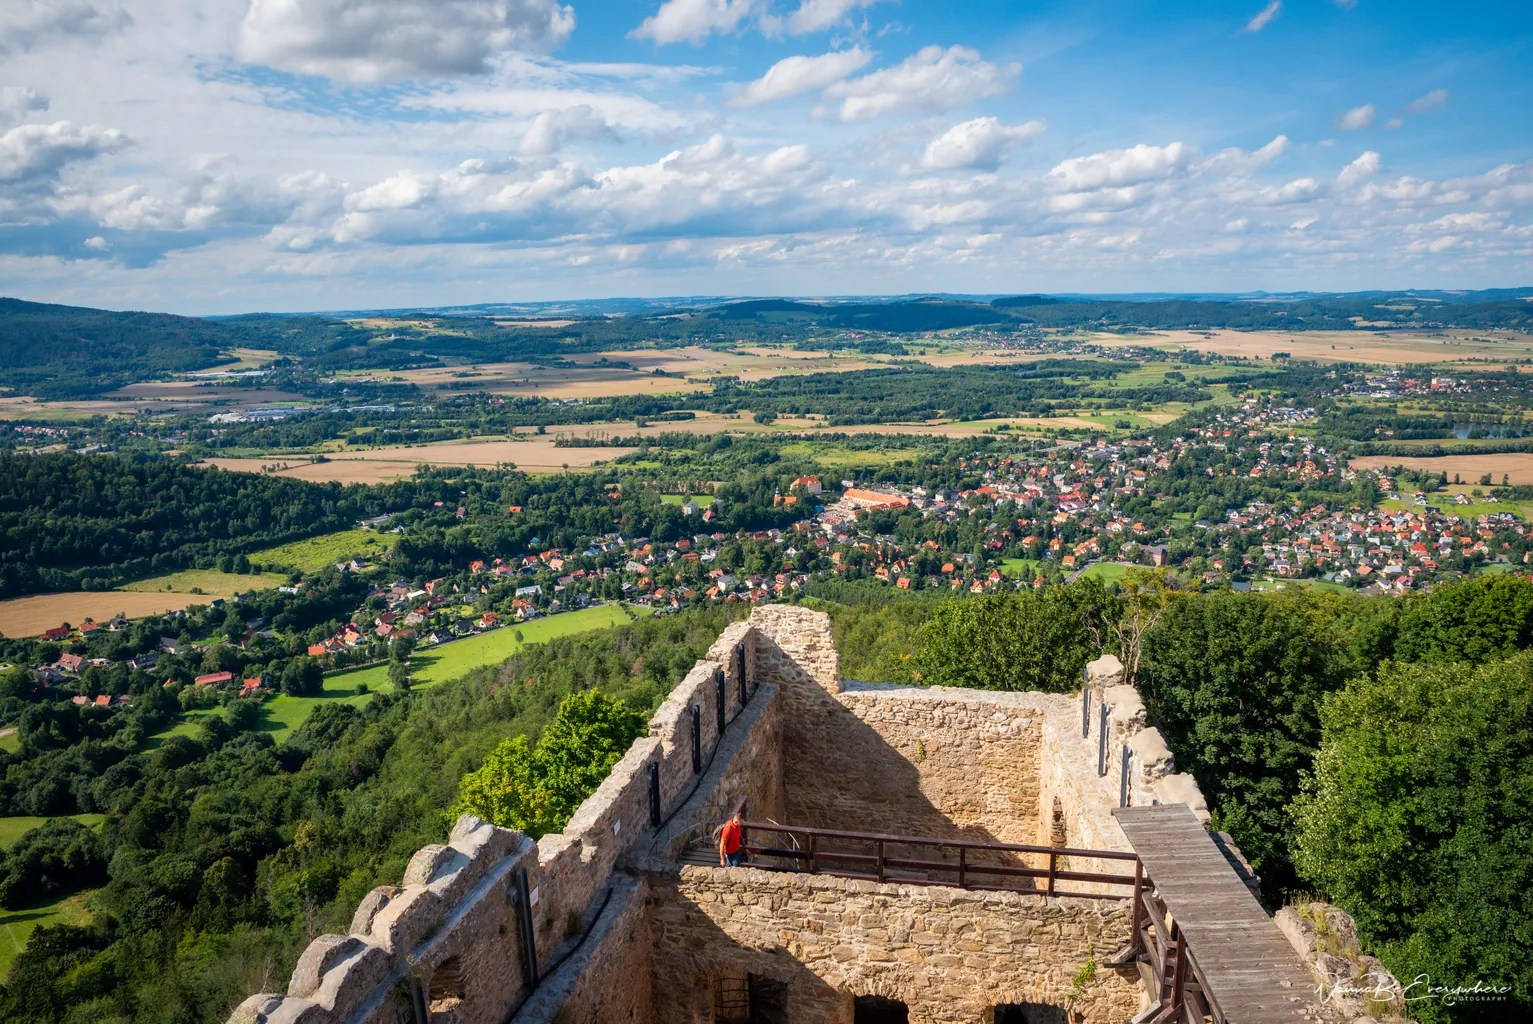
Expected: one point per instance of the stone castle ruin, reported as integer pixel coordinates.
(915, 854)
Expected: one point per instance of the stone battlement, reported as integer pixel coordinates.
(587, 923)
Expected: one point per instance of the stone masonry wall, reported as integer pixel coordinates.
(445, 945)
(950, 955)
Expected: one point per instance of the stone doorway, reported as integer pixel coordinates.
(879, 1010)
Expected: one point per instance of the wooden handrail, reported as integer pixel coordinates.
(970, 844)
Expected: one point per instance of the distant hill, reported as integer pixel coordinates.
(62, 351)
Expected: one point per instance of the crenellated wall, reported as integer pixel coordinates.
(445, 944)
(616, 926)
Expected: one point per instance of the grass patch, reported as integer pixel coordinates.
(1446, 500)
(326, 550)
(1020, 568)
(700, 500)
(16, 926)
(1307, 584)
(1107, 572)
(432, 665)
(206, 581)
(14, 827)
(10, 741)
(835, 456)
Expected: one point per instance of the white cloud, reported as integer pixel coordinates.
(818, 15)
(376, 40)
(1434, 100)
(692, 21)
(16, 102)
(30, 152)
(1356, 118)
(980, 144)
(25, 24)
(931, 79)
(1364, 167)
(1119, 167)
(1264, 16)
(96, 243)
(552, 130)
(793, 75)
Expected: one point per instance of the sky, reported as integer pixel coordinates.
(218, 156)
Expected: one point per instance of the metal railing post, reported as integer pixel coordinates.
(718, 686)
(881, 865)
(1123, 776)
(1102, 742)
(811, 852)
(1085, 710)
(697, 740)
(654, 794)
(962, 881)
(1052, 858)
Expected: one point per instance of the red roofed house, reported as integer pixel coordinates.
(214, 678)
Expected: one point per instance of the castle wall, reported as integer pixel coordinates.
(445, 945)
(951, 955)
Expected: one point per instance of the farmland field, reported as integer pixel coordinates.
(317, 553)
(29, 616)
(1517, 466)
(209, 581)
(1393, 348)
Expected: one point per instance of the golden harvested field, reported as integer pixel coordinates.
(533, 456)
(1393, 348)
(1518, 466)
(29, 616)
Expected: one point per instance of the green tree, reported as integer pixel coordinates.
(537, 788)
(1022, 641)
(1418, 822)
(1235, 682)
(1475, 621)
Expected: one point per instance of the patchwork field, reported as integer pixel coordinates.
(14, 827)
(1517, 466)
(538, 455)
(29, 616)
(209, 581)
(1393, 348)
(317, 553)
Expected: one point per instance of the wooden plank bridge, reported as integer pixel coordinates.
(1208, 946)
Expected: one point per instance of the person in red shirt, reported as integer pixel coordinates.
(730, 843)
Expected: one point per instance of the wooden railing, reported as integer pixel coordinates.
(1177, 983)
(918, 860)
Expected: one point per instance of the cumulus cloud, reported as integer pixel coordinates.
(1119, 167)
(32, 152)
(692, 21)
(25, 24)
(552, 130)
(818, 15)
(1364, 167)
(931, 79)
(978, 144)
(1264, 16)
(16, 102)
(1356, 118)
(376, 40)
(793, 75)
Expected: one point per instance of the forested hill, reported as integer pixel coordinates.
(69, 521)
(49, 350)
(54, 351)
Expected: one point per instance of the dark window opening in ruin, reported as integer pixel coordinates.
(879, 1010)
(740, 998)
(447, 987)
(1029, 1013)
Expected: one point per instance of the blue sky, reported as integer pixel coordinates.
(214, 156)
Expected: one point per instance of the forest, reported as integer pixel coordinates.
(222, 854)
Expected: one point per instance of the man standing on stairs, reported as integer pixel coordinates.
(730, 843)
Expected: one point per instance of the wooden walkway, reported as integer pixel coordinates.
(1251, 972)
